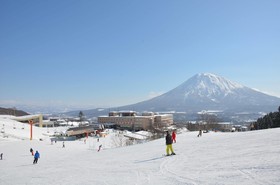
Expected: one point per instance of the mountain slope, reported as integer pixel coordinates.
(203, 91)
(207, 91)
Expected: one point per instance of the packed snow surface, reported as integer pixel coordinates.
(214, 159)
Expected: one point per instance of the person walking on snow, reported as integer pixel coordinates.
(199, 133)
(36, 157)
(174, 137)
(168, 140)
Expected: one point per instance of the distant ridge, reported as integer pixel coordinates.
(11, 111)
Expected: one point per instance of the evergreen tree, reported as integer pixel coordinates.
(81, 116)
(271, 120)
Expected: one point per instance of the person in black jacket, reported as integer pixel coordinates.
(168, 140)
(31, 151)
(199, 133)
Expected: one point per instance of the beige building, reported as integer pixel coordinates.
(130, 120)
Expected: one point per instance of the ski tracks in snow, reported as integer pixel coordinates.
(248, 172)
(253, 177)
(168, 169)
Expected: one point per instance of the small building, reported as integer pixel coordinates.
(240, 128)
(80, 131)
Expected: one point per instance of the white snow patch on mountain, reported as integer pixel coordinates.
(210, 85)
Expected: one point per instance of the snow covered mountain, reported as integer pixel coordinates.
(206, 91)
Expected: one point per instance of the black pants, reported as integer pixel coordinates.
(35, 161)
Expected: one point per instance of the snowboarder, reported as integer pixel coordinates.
(199, 133)
(174, 137)
(99, 148)
(1, 156)
(31, 151)
(168, 140)
(36, 157)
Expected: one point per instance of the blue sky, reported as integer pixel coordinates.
(112, 53)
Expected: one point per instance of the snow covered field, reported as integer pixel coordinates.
(213, 159)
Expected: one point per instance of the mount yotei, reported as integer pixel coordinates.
(207, 91)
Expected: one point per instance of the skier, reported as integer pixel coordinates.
(199, 133)
(99, 148)
(63, 145)
(31, 150)
(168, 140)
(174, 136)
(1, 156)
(36, 157)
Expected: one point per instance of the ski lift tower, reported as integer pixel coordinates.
(31, 125)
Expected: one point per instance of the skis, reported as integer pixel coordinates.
(165, 155)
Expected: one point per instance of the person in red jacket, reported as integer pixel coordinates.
(174, 136)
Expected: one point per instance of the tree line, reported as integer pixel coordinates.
(271, 120)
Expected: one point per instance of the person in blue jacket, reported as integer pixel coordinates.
(36, 157)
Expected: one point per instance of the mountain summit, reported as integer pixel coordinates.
(206, 91)
(206, 85)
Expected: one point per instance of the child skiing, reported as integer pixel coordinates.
(174, 136)
(31, 151)
(36, 157)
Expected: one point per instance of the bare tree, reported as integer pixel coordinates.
(209, 121)
(119, 140)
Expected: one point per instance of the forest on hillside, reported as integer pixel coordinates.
(271, 120)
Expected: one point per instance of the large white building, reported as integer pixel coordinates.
(130, 120)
